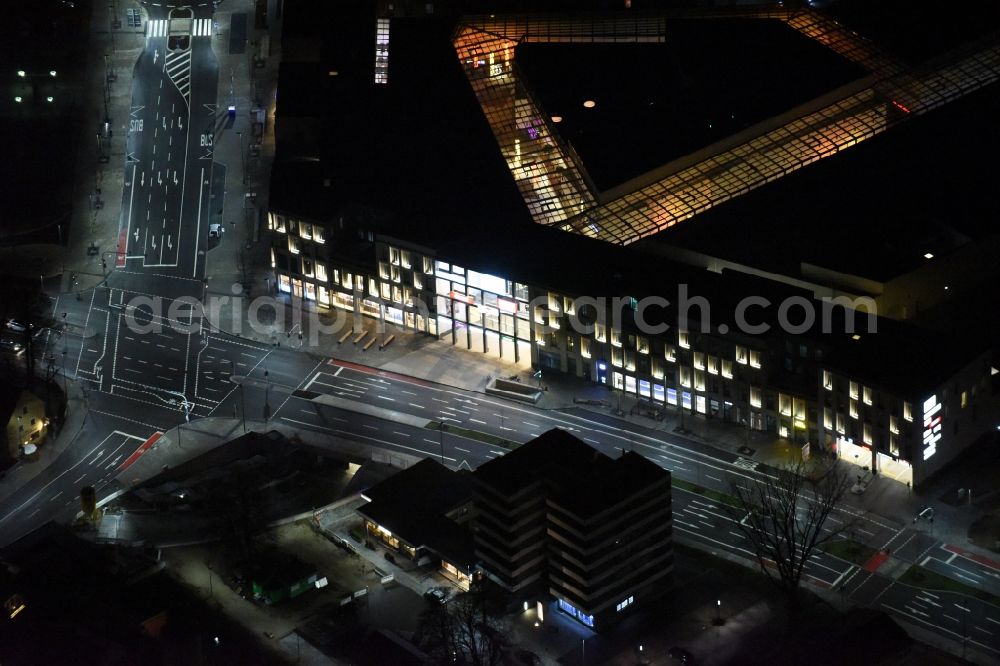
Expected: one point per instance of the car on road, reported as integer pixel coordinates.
(216, 230)
(436, 595)
(15, 326)
(11, 347)
(680, 655)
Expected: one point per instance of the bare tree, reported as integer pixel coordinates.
(783, 516)
(468, 630)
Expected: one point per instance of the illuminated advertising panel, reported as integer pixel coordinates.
(932, 426)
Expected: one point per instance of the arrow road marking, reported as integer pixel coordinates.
(169, 244)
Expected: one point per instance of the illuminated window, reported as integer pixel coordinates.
(272, 257)
(293, 244)
(629, 360)
(616, 356)
(372, 285)
(699, 380)
(854, 409)
(554, 303)
(616, 337)
(828, 380)
(685, 376)
(699, 404)
(867, 433)
(670, 353)
(600, 333)
(828, 418)
(386, 292)
(404, 258)
(671, 396)
(642, 344)
(713, 365)
(754, 358)
(841, 426)
(893, 424)
(618, 380)
(741, 355)
(318, 234)
(418, 280)
(348, 281)
(394, 272)
(867, 393)
(698, 360)
(629, 384)
(784, 404)
(307, 267)
(783, 430)
(965, 399)
(657, 368)
(755, 396)
(383, 270)
(569, 305)
(854, 390)
(428, 265)
(321, 272)
(584, 346)
(310, 291)
(359, 282)
(683, 339)
(894, 445)
(382, 50)
(280, 224)
(306, 230)
(727, 368)
(907, 411)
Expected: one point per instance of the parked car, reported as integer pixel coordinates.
(435, 595)
(10, 346)
(680, 655)
(215, 230)
(16, 326)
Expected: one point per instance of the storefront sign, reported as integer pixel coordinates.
(932, 426)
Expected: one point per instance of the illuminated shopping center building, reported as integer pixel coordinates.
(414, 217)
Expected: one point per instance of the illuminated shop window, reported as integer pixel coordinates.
(629, 384)
(671, 396)
(618, 380)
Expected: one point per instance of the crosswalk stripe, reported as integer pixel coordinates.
(202, 28)
(156, 28)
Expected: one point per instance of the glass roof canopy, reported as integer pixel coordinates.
(553, 181)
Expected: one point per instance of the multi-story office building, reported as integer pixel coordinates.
(557, 519)
(452, 253)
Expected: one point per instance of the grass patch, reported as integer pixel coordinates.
(721, 498)
(847, 549)
(918, 576)
(473, 434)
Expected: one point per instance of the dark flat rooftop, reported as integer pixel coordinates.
(580, 477)
(917, 31)
(928, 185)
(657, 102)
